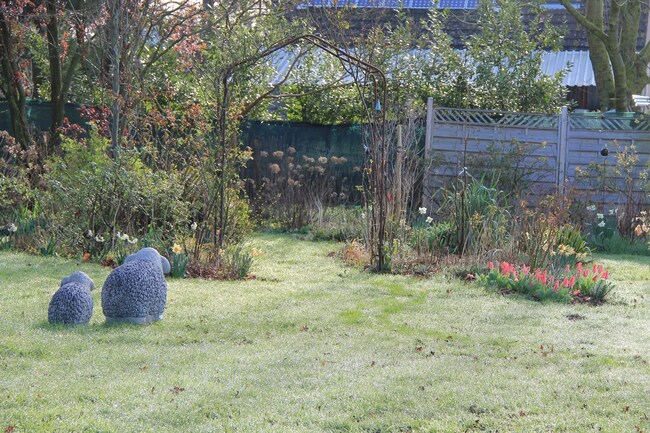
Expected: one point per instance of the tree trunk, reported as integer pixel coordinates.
(599, 56)
(56, 76)
(116, 50)
(616, 58)
(636, 68)
(622, 70)
(14, 89)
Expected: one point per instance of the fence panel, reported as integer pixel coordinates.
(563, 149)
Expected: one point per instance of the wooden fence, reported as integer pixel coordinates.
(544, 153)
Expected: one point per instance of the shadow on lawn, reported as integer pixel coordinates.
(80, 329)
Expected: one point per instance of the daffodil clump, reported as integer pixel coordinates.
(179, 261)
(124, 246)
(568, 253)
(6, 234)
(641, 225)
(604, 225)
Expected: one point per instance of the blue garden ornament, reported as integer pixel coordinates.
(378, 106)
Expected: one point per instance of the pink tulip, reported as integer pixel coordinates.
(572, 281)
(565, 282)
(579, 267)
(491, 266)
(556, 287)
(525, 269)
(605, 275)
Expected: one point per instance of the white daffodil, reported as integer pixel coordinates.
(429, 220)
(422, 210)
(194, 226)
(12, 228)
(601, 224)
(600, 216)
(99, 238)
(591, 208)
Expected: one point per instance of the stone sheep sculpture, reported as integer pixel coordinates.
(136, 291)
(72, 304)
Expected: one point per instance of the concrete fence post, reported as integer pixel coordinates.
(428, 153)
(562, 147)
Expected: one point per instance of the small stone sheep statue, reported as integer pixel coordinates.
(136, 292)
(72, 304)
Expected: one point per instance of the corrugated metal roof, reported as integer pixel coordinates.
(580, 72)
(576, 63)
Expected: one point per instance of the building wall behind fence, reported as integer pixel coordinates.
(559, 147)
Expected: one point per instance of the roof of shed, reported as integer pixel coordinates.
(580, 73)
(576, 64)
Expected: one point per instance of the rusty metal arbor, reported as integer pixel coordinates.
(376, 113)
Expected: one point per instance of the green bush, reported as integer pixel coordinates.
(477, 215)
(237, 262)
(91, 193)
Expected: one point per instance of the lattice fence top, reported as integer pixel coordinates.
(496, 118)
(609, 122)
(591, 121)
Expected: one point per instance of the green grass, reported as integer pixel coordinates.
(314, 346)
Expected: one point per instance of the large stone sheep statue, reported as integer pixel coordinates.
(136, 292)
(72, 304)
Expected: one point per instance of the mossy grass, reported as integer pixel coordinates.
(312, 345)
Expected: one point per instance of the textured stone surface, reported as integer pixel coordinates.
(149, 254)
(136, 292)
(80, 278)
(72, 304)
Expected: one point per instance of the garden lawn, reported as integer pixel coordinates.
(314, 346)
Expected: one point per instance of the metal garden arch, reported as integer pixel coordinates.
(376, 113)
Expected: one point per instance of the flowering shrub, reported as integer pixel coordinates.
(589, 284)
